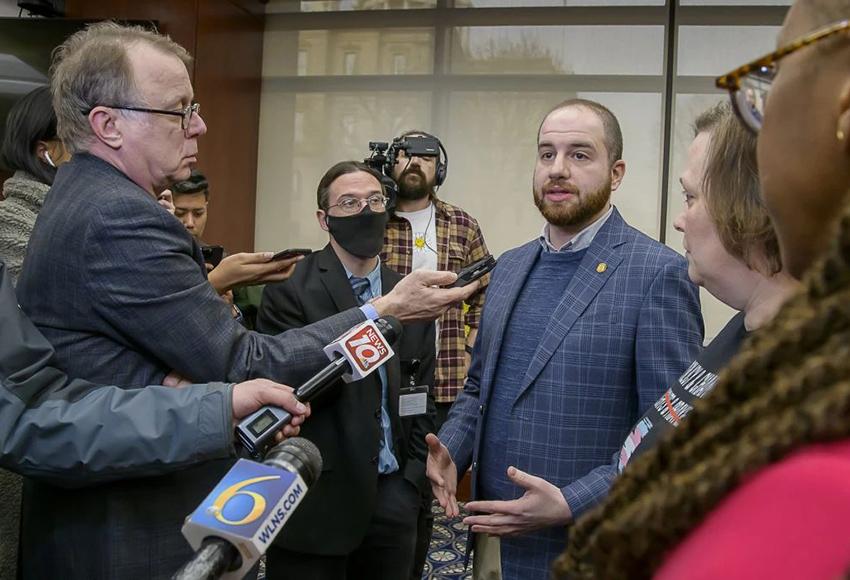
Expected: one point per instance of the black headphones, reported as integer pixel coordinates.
(442, 160)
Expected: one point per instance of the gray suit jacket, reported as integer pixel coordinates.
(118, 287)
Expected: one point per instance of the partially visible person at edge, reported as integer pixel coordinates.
(427, 232)
(32, 150)
(238, 278)
(71, 432)
(754, 483)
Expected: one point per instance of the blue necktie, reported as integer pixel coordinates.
(387, 463)
(362, 289)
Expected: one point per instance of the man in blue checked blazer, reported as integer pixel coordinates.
(582, 331)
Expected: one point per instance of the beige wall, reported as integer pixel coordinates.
(490, 134)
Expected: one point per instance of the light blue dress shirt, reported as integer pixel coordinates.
(387, 462)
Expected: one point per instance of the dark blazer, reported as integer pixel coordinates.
(117, 285)
(345, 424)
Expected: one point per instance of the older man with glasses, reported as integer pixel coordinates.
(118, 286)
(360, 521)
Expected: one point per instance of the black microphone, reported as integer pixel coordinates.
(238, 520)
(354, 355)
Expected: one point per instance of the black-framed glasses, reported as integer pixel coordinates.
(749, 85)
(351, 205)
(185, 114)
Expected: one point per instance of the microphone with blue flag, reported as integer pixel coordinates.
(238, 520)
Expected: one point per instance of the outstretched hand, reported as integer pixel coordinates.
(442, 472)
(541, 506)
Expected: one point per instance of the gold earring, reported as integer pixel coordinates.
(840, 135)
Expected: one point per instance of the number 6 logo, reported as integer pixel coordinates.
(258, 501)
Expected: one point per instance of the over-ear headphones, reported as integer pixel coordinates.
(442, 161)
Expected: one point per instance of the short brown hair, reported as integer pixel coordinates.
(337, 171)
(91, 68)
(610, 125)
(733, 193)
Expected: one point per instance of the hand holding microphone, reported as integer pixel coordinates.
(354, 355)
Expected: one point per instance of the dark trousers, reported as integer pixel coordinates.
(425, 523)
(386, 552)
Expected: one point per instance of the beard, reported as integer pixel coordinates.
(579, 212)
(413, 189)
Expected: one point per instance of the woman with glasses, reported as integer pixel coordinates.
(755, 483)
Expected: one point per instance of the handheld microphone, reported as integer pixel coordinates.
(354, 355)
(237, 521)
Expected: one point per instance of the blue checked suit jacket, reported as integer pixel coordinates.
(616, 340)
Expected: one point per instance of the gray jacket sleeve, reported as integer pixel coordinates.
(73, 433)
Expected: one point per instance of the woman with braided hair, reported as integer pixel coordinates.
(756, 482)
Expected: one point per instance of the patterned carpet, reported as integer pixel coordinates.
(447, 552)
(448, 548)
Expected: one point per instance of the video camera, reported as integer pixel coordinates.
(383, 156)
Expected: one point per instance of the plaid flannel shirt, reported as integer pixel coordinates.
(459, 243)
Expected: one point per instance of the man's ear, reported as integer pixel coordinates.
(842, 130)
(103, 124)
(618, 171)
(322, 218)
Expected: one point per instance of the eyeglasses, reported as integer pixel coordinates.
(351, 205)
(184, 114)
(749, 85)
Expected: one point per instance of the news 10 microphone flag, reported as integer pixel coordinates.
(248, 508)
(364, 347)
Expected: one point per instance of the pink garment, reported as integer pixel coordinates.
(791, 520)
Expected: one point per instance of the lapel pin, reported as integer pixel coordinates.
(601, 267)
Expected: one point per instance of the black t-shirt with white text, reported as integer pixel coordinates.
(695, 383)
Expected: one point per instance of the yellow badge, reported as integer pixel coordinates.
(420, 242)
(601, 267)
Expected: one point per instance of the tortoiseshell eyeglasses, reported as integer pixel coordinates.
(748, 85)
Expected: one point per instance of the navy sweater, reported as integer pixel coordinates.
(545, 286)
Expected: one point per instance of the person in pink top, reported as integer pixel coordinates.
(755, 482)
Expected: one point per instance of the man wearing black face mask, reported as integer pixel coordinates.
(360, 521)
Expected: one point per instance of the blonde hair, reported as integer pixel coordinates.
(733, 193)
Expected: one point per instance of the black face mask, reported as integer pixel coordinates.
(360, 235)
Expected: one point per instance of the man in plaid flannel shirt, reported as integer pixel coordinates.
(425, 232)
